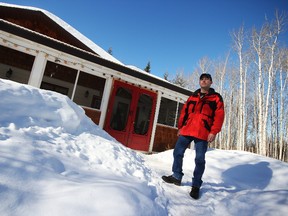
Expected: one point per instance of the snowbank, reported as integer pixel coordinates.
(56, 161)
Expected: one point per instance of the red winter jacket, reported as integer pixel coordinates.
(201, 116)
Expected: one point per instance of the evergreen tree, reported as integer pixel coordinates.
(147, 68)
(110, 51)
(166, 75)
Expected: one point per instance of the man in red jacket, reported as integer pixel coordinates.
(200, 120)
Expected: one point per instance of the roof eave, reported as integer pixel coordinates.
(58, 45)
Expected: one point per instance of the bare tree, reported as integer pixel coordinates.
(265, 44)
(205, 65)
(283, 80)
(180, 79)
(219, 77)
(254, 89)
(239, 38)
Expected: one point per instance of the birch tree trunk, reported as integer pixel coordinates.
(220, 72)
(258, 43)
(238, 38)
(283, 79)
(273, 35)
(229, 120)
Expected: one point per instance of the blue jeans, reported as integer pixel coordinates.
(178, 154)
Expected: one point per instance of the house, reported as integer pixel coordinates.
(137, 108)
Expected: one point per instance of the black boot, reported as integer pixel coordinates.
(171, 180)
(194, 192)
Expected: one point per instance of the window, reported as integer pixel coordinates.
(167, 112)
(89, 90)
(143, 114)
(121, 109)
(60, 76)
(56, 88)
(15, 65)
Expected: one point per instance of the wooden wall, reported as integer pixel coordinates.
(165, 138)
(40, 22)
(93, 114)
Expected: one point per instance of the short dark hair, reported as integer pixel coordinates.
(206, 75)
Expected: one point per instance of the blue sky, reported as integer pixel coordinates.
(172, 35)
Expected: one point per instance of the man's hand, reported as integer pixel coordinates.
(211, 137)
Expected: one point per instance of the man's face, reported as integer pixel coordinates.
(205, 83)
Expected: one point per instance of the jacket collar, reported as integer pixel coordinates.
(197, 92)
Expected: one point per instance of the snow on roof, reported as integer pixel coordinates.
(145, 72)
(72, 31)
(102, 53)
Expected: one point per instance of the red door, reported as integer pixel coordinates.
(130, 115)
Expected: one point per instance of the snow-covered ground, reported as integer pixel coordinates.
(55, 161)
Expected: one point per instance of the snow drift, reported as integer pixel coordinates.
(56, 161)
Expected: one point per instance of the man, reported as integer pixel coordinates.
(200, 120)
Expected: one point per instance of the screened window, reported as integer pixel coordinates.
(89, 90)
(167, 112)
(59, 77)
(15, 65)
